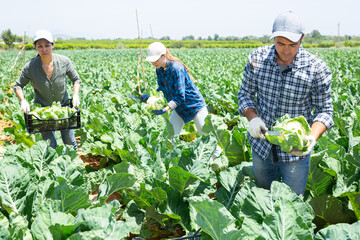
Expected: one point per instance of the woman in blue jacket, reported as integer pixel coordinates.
(177, 85)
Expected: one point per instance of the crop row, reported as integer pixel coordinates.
(44, 193)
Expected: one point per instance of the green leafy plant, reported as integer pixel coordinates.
(161, 188)
(292, 133)
(155, 103)
(55, 111)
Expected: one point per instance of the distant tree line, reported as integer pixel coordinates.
(9, 38)
(311, 40)
(264, 39)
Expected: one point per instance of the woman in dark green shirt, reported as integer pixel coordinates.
(47, 74)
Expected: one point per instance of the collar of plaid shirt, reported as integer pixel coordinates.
(301, 59)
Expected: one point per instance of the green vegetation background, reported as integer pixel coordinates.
(311, 40)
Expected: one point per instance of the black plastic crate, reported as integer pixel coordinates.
(35, 124)
(196, 236)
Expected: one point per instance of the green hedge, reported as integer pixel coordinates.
(351, 44)
(134, 44)
(326, 44)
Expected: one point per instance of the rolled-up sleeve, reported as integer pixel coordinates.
(172, 105)
(72, 73)
(321, 97)
(24, 78)
(246, 94)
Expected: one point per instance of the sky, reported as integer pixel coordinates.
(110, 19)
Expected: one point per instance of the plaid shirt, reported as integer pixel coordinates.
(303, 88)
(179, 90)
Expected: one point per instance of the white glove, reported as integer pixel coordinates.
(76, 100)
(309, 148)
(256, 126)
(25, 107)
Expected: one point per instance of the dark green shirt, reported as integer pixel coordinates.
(48, 91)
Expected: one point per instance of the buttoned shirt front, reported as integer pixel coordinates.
(48, 90)
(303, 88)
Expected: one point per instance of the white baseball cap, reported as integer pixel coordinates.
(155, 50)
(288, 25)
(43, 34)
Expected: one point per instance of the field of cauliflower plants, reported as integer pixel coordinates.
(162, 192)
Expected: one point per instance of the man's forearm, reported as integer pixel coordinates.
(317, 129)
(250, 113)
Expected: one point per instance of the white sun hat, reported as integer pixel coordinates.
(43, 34)
(288, 25)
(155, 50)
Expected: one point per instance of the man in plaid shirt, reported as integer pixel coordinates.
(284, 79)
